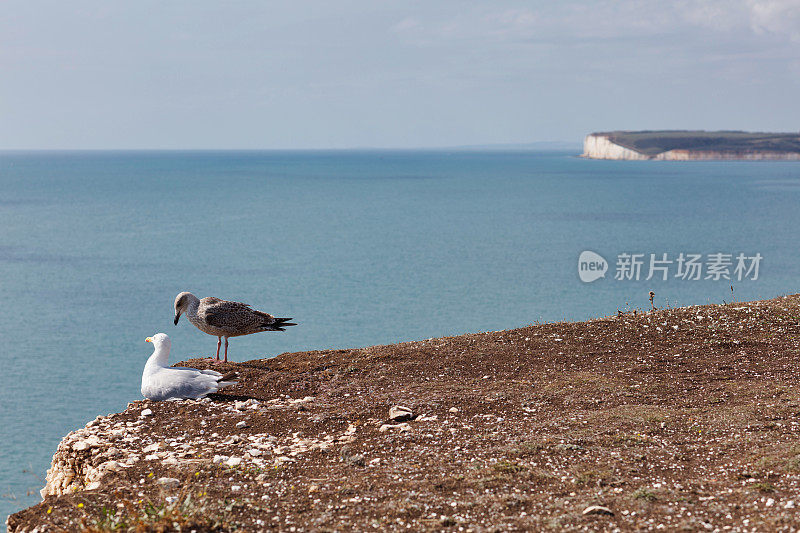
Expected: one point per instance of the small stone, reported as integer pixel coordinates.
(399, 413)
(770, 502)
(350, 457)
(235, 488)
(152, 448)
(241, 424)
(234, 461)
(219, 459)
(254, 452)
(598, 510)
(94, 485)
(405, 426)
(80, 446)
(454, 409)
(147, 412)
(168, 482)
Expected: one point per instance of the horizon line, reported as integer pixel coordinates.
(540, 145)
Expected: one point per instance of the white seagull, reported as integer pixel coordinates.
(162, 382)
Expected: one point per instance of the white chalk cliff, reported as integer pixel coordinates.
(597, 146)
(600, 146)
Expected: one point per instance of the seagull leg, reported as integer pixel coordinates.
(219, 342)
(226, 349)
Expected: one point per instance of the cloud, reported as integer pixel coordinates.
(776, 17)
(607, 20)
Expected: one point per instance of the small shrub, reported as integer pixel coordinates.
(645, 494)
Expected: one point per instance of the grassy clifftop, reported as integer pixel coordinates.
(673, 419)
(655, 142)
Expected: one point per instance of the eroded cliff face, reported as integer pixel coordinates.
(598, 146)
(118, 442)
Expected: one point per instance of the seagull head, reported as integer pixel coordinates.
(159, 340)
(182, 304)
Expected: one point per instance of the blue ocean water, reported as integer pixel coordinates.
(360, 247)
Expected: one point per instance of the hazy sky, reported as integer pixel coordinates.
(346, 73)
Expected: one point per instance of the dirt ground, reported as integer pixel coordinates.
(677, 419)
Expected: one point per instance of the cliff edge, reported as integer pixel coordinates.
(675, 419)
(669, 145)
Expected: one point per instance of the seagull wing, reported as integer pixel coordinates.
(182, 382)
(236, 317)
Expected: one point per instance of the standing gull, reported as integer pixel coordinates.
(222, 318)
(162, 382)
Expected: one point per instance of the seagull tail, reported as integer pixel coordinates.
(278, 324)
(231, 378)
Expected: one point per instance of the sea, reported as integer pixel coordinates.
(360, 247)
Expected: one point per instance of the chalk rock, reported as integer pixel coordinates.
(151, 448)
(598, 510)
(399, 413)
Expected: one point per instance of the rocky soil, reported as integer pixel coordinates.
(673, 419)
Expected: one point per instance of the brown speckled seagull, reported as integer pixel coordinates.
(222, 318)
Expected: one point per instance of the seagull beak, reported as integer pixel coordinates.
(149, 339)
(177, 316)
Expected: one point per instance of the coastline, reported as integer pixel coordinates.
(690, 146)
(674, 417)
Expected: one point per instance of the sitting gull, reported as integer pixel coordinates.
(222, 318)
(162, 382)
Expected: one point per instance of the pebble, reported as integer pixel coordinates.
(234, 461)
(241, 424)
(454, 409)
(402, 427)
(168, 482)
(147, 412)
(599, 510)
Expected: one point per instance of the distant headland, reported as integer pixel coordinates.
(685, 145)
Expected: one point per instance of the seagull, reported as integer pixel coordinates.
(162, 382)
(222, 318)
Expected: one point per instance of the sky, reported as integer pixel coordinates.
(197, 74)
